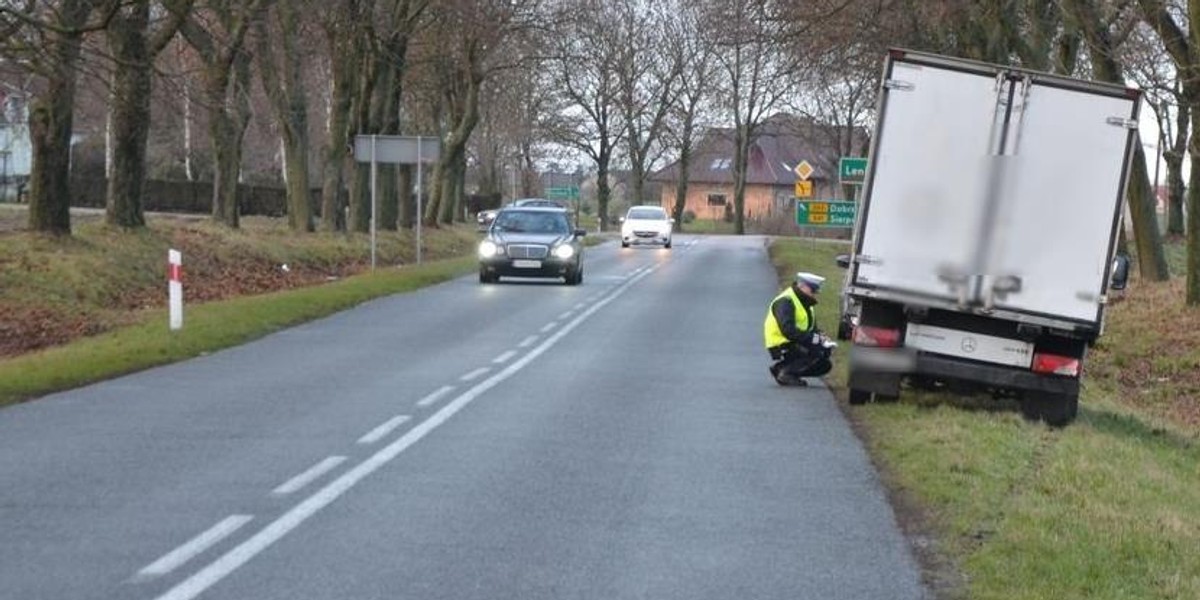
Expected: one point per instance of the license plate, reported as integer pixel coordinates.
(527, 264)
(970, 345)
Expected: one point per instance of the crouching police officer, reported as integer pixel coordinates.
(791, 335)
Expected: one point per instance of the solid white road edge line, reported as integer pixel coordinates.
(379, 432)
(435, 396)
(177, 557)
(231, 561)
(294, 484)
(503, 358)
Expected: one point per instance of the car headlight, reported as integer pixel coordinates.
(488, 249)
(564, 251)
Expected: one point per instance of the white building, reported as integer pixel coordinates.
(16, 150)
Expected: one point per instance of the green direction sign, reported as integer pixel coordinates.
(563, 193)
(825, 213)
(852, 170)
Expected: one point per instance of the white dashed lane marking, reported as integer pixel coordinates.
(296, 483)
(179, 556)
(387, 427)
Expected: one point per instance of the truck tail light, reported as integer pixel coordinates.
(1053, 364)
(878, 337)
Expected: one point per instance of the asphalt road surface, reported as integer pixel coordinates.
(525, 440)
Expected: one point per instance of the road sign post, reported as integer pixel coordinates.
(397, 150)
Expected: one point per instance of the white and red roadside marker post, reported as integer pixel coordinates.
(175, 288)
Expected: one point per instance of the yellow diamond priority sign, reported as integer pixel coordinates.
(803, 170)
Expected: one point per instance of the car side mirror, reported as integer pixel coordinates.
(1120, 272)
(620, 219)
(672, 220)
(580, 233)
(843, 261)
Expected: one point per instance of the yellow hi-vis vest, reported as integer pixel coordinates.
(772, 335)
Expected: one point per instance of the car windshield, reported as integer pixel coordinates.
(647, 214)
(516, 221)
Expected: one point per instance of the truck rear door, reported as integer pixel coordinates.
(997, 188)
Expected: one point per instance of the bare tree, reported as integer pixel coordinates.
(1102, 34)
(475, 37)
(1181, 37)
(346, 41)
(649, 69)
(757, 79)
(217, 32)
(46, 38)
(698, 70)
(1149, 65)
(280, 58)
(508, 141)
(585, 62)
(135, 43)
(406, 19)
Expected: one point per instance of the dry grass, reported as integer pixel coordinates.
(1149, 357)
(54, 290)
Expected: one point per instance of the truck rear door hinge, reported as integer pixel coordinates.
(1122, 122)
(896, 84)
(863, 259)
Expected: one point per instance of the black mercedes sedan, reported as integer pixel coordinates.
(531, 242)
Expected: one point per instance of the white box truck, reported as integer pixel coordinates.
(984, 248)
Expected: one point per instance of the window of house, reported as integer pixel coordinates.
(716, 199)
(720, 164)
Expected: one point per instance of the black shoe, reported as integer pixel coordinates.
(790, 380)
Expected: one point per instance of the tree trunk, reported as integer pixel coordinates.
(1193, 211)
(1176, 195)
(338, 130)
(740, 165)
(603, 191)
(637, 175)
(134, 46)
(289, 103)
(360, 197)
(454, 147)
(295, 163)
(51, 120)
(681, 187)
(50, 124)
(408, 204)
(129, 117)
(227, 126)
(1173, 159)
(1152, 261)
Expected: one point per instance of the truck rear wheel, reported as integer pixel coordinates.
(1055, 409)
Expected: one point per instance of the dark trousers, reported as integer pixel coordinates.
(796, 361)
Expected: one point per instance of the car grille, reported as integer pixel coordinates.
(646, 233)
(528, 251)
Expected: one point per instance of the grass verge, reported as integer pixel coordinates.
(207, 327)
(1108, 507)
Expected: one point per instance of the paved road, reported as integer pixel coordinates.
(619, 439)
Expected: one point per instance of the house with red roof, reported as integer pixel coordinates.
(780, 144)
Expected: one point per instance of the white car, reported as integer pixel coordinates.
(646, 225)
